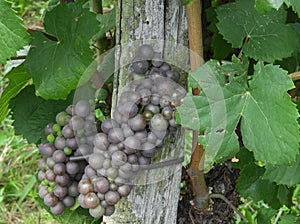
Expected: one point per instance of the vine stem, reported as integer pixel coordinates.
(196, 169)
(222, 197)
(295, 76)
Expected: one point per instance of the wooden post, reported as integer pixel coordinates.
(154, 197)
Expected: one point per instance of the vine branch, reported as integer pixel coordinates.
(196, 169)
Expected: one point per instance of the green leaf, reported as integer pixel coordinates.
(32, 113)
(269, 124)
(266, 37)
(288, 219)
(56, 66)
(220, 47)
(18, 79)
(268, 117)
(251, 185)
(295, 4)
(265, 215)
(13, 35)
(107, 22)
(288, 175)
(267, 5)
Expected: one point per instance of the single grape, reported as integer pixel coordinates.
(119, 158)
(132, 143)
(41, 175)
(50, 162)
(60, 191)
(49, 129)
(67, 131)
(145, 51)
(109, 210)
(68, 201)
(62, 180)
(97, 212)
(59, 156)
(43, 191)
(90, 200)
(72, 167)
(124, 190)
(137, 123)
(140, 66)
(73, 190)
(85, 186)
(101, 185)
(82, 108)
(62, 118)
(115, 135)
(96, 160)
(76, 123)
(59, 168)
(112, 197)
(60, 143)
(159, 123)
(157, 60)
(50, 175)
(57, 209)
(46, 149)
(100, 141)
(50, 200)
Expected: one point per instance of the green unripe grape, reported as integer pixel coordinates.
(59, 133)
(56, 128)
(50, 138)
(62, 118)
(50, 190)
(52, 184)
(67, 151)
(102, 94)
(45, 183)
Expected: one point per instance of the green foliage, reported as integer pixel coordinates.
(287, 175)
(251, 183)
(18, 79)
(223, 105)
(13, 35)
(262, 37)
(265, 215)
(56, 66)
(267, 5)
(30, 118)
(107, 22)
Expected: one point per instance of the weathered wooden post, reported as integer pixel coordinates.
(155, 195)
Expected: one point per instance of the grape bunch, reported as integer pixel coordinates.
(97, 166)
(143, 118)
(72, 134)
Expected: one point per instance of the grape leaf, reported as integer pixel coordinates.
(262, 37)
(264, 215)
(18, 79)
(288, 175)
(295, 4)
(13, 35)
(250, 184)
(107, 22)
(267, 116)
(31, 117)
(288, 219)
(267, 5)
(56, 66)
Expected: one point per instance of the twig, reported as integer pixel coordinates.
(278, 216)
(191, 216)
(295, 76)
(219, 196)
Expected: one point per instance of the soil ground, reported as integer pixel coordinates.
(221, 180)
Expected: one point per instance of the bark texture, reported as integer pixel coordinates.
(162, 23)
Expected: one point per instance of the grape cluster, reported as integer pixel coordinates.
(72, 134)
(143, 118)
(109, 158)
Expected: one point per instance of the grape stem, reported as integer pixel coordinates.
(196, 169)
